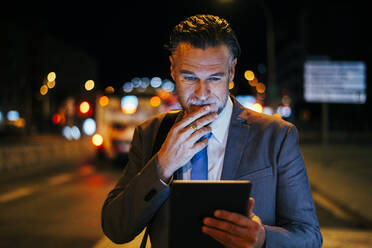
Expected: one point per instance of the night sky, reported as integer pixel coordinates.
(126, 38)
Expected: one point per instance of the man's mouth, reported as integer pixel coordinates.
(200, 104)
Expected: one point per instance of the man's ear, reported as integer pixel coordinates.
(171, 60)
(232, 69)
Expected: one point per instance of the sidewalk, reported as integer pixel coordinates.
(342, 173)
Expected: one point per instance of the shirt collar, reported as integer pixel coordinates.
(221, 125)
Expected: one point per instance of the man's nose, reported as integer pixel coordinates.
(202, 90)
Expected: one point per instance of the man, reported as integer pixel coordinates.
(244, 145)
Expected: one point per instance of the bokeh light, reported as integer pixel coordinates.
(66, 132)
(110, 90)
(43, 90)
(257, 107)
(155, 101)
(260, 87)
(56, 118)
(164, 94)
(249, 75)
(168, 85)
(89, 85)
(129, 104)
(253, 82)
(89, 126)
(97, 139)
(231, 85)
(155, 82)
(145, 82)
(128, 87)
(103, 101)
(51, 84)
(284, 111)
(136, 81)
(268, 110)
(84, 107)
(12, 115)
(75, 132)
(51, 76)
(20, 122)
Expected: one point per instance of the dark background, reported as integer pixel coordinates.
(112, 42)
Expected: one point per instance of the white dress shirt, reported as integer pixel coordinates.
(216, 145)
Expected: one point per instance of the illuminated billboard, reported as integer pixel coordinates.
(335, 81)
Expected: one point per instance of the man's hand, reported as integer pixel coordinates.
(182, 143)
(236, 230)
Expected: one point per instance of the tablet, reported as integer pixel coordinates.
(191, 201)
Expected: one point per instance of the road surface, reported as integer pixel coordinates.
(61, 208)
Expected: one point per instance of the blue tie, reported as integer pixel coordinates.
(199, 163)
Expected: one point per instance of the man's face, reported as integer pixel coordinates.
(202, 76)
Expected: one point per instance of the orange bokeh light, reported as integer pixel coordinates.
(253, 82)
(260, 87)
(164, 94)
(129, 109)
(155, 101)
(231, 85)
(104, 101)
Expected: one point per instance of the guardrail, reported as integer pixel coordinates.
(42, 153)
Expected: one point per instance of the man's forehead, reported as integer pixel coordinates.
(187, 53)
(185, 48)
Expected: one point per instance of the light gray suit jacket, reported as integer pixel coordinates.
(259, 148)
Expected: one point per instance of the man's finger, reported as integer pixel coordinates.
(224, 238)
(201, 122)
(190, 118)
(235, 218)
(226, 226)
(250, 213)
(198, 146)
(195, 137)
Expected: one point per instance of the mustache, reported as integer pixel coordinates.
(200, 103)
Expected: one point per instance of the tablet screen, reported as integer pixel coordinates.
(191, 201)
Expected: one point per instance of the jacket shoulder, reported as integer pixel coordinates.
(264, 122)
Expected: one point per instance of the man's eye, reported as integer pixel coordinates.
(215, 79)
(189, 78)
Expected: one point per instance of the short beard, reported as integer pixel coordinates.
(188, 108)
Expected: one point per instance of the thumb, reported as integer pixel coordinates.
(250, 213)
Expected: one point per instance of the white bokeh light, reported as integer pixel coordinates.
(89, 126)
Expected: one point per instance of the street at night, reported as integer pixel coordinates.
(87, 87)
(61, 208)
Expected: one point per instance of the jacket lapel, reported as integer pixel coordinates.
(236, 142)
